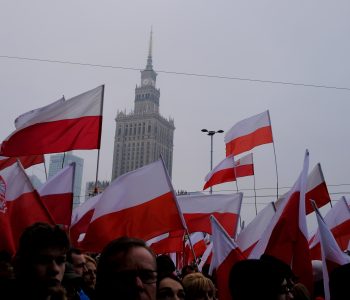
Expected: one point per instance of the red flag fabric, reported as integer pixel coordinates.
(251, 234)
(26, 161)
(316, 189)
(338, 220)
(168, 243)
(229, 170)
(57, 195)
(286, 235)
(199, 246)
(140, 204)
(58, 127)
(225, 254)
(81, 217)
(21, 205)
(249, 133)
(197, 209)
(332, 255)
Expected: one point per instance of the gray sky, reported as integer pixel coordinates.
(287, 41)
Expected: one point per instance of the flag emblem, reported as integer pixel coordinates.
(3, 206)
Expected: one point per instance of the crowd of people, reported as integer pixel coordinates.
(46, 267)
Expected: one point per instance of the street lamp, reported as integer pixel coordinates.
(211, 133)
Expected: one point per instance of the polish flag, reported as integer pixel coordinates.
(20, 203)
(198, 208)
(199, 247)
(57, 195)
(338, 220)
(229, 170)
(332, 255)
(225, 254)
(286, 235)
(81, 217)
(140, 204)
(58, 127)
(252, 233)
(316, 189)
(26, 161)
(223, 172)
(249, 133)
(168, 242)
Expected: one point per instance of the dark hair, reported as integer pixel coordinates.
(72, 251)
(41, 236)
(339, 282)
(169, 275)
(165, 265)
(35, 238)
(255, 279)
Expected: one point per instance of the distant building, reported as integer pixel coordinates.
(36, 182)
(142, 135)
(90, 188)
(56, 162)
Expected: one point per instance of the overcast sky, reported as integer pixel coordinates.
(304, 42)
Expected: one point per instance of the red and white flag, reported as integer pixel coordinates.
(140, 204)
(168, 243)
(57, 195)
(251, 234)
(286, 236)
(81, 217)
(225, 254)
(249, 133)
(338, 220)
(332, 255)
(26, 161)
(20, 203)
(229, 170)
(58, 127)
(316, 189)
(199, 246)
(197, 209)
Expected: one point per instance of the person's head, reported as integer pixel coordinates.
(257, 279)
(40, 258)
(300, 292)
(187, 269)
(339, 282)
(90, 275)
(198, 287)
(127, 269)
(77, 259)
(165, 265)
(169, 287)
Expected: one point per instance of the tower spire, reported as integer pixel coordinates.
(149, 58)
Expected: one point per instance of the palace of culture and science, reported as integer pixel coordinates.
(143, 135)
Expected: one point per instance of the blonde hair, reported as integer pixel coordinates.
(195, 283)
(90, 259)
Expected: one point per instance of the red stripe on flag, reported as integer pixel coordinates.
(247, 142)
(131, 222)
(60, 207)
(200, 222)
(244, 170)
(221, 176)
(56, 136)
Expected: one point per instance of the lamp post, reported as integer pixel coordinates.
(211, 133)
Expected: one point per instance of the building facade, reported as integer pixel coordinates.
(59, 161)
(142, 135)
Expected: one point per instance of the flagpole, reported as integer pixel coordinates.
(178, 209)
(274, 152)
(98, 150)
(45, 167)
(256, 206)
(64, 156)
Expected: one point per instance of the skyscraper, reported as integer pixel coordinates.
(142, 135)
(56, 162)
